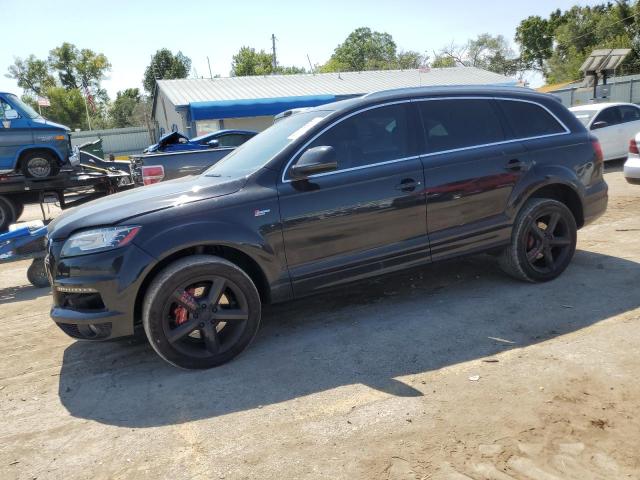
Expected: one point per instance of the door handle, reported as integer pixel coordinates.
(515, 164)
(408, 185)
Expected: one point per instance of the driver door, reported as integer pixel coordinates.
(610, 135)
(367, 216)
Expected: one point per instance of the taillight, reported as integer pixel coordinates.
(597, 149)
(152, 174)
(633, 146)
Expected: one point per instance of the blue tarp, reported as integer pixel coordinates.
(254, 107)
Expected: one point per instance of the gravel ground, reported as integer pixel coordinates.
(448, 372)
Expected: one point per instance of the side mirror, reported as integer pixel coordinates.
(599, 124)
(313, 161)
(11, 115)
(215, 143)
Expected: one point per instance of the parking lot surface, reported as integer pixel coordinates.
(453, 371)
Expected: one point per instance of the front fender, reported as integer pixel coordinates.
(59, 153)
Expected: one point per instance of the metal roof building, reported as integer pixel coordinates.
(197, 106)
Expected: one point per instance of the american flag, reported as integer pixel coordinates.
(87, 94)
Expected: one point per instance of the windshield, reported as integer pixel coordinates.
(585, 116)
(26, 109)
(253, 154)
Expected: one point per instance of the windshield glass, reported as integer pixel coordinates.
(253, 154)
(26, 109)
(585, 116)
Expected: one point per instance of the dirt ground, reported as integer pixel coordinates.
(449, 372)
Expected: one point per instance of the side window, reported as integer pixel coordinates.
(373, 136)
(629, 113)
(231, 140)
(528, 119)
(4, 106)
(610, 115)
(451, 124)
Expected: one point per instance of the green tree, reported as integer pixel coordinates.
(76, 68)
(248, 62)
(31, 74)
(443, 61)
(363, 49)
(558, 45)
(165, 66)
(409, 59)
(489, 52)
(67, 107)
(122, 109)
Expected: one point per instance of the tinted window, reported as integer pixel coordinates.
(232, 140)
(528, 119)
(609, 115)
(629, 113)
(451, 124)
(373, 136)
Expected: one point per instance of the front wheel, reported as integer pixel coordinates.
(200, 312)
(37, 274)
(40, 165)
(543, 241)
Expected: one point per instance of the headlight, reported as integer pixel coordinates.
(98, 240)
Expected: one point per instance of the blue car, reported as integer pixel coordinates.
(177, 142)
(29, 143)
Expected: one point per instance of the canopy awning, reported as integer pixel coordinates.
(254, 107)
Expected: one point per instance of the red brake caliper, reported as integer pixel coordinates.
(180, 313)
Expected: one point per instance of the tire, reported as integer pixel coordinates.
(200, 312)
(37, 274)
(19, 209)
(7, 214)
(535, 255)
(39, 164)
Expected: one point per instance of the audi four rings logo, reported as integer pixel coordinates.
(260, 213)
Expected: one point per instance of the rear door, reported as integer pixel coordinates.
(367, 216)
(470, 171)
(630, 126)
(610, 135)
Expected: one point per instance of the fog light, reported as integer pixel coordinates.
(76, 289)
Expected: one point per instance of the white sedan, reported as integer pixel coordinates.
(612, 123)
(632, 165)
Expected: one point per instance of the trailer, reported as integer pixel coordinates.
(71, 187)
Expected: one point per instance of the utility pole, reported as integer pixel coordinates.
(209, 63)
(310, 65)
(273, 47)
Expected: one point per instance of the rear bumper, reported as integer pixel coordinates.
(595, 201)
(94, 295)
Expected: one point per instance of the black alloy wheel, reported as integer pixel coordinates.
(543, 241)
(201, 311)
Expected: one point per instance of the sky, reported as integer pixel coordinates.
(129, 32)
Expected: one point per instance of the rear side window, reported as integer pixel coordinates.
(629, 113)
(528, 119)
(452, 124)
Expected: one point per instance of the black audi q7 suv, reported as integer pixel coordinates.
(323, 197)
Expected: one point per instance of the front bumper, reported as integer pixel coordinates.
(94, 295)
(632, 170)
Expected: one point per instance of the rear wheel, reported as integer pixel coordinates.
(7, 213)
(39, 165)
(19, 208)
(200, 312)
(543, 241)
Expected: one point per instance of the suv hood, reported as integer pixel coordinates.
(122, 206)
(44, 123)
